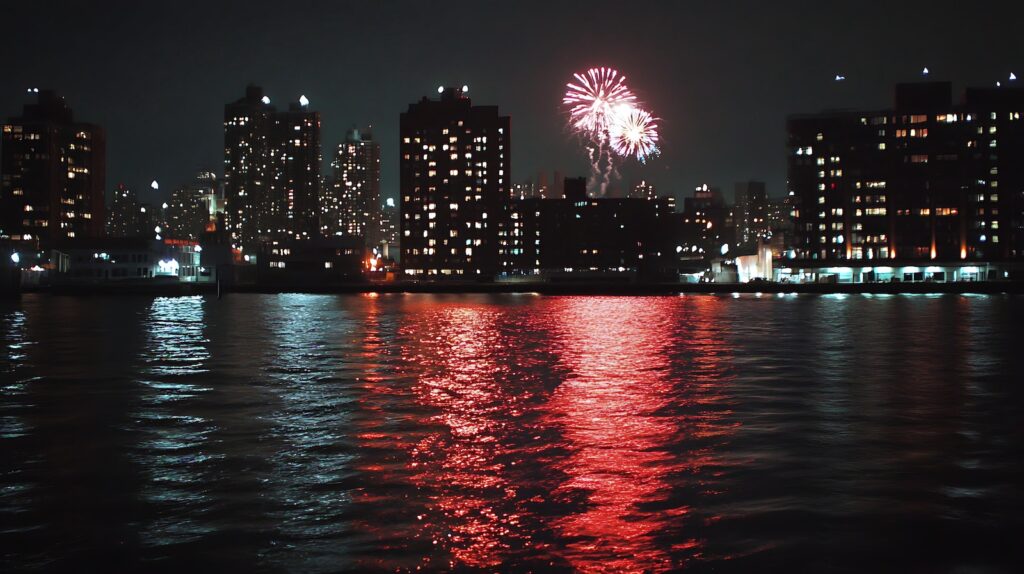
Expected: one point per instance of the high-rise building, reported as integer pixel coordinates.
(294, 193)
(271, 170)
(927, 180)
(125, 217)
(193, 207)
(246, 166)
(455, 182)
(751, 212)
(53, 173)
(351, 204)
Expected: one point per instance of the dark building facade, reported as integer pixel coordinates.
(708, 221)
(126, 216)
(351, 203)
(454, 186)
(53, 172)
(928, 180)
(271, 170)
(579, 236)
(751, 212)
(643, 190)
(312, 262)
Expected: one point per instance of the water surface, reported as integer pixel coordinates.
(321, 433)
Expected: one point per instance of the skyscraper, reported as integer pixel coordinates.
(351, 203)
(246, 169)
(53, 176)
(271, 170)
(454, 186)
(294, 194)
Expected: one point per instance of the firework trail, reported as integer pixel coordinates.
(605, 113)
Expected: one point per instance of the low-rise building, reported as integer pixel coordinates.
(314, 262)
(126, 259)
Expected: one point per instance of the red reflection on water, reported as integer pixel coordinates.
(471, 515)
(541, 433)
(382, 442)
(613, 408)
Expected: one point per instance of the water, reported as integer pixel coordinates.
(321, 433)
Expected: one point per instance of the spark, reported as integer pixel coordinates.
(635, 134)
(593, 100)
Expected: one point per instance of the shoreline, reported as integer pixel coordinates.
(616, 289)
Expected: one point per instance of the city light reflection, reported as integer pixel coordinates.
(609, 407)
(460, 464)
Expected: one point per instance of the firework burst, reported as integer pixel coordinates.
(610, 120)
(595, 98)
(634, 133)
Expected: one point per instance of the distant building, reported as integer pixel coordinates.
(389, 224)
(751, 213)
(643, 190)
(351, 204)
(927, 181)
(543, 190)
(126, 217)
(193, 207)
(779, 214)
(708, 219)
(524, 190)
(52, 176)
(454, 185)
(271, 170)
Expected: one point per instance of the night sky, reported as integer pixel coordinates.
(722, 77)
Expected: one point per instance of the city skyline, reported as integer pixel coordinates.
(465, 286)
(722, 87)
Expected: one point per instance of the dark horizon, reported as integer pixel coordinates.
(721, 78)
